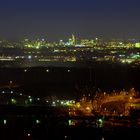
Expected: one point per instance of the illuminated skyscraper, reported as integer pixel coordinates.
(73, 40)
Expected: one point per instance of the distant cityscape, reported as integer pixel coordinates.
(46, 87)
(69, 69)
(40, 52)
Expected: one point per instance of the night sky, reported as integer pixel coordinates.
(58, 19)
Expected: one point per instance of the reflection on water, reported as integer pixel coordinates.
(72, 122)
(40, 128)
(99, 123)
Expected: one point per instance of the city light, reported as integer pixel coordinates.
(28, 134)
(37, 121)
(5, 122)
(74, 50)
(13, 101)
(25, 70)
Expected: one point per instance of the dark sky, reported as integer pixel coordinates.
(58, 19)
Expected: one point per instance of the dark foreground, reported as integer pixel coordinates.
(43, 124)
(40, 132)
(67, 82)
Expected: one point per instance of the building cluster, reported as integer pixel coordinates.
(107, 104)
(41, 52)
(111, 104)
(116, 103)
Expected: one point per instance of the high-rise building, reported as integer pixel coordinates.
(73, 40)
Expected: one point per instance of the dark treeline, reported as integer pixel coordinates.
(68, 82)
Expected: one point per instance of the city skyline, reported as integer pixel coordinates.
(53, 19)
